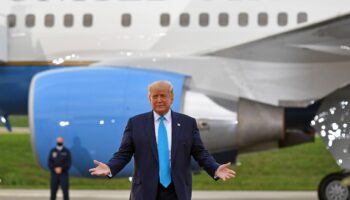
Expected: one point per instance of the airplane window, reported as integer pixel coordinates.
(204, 19)
(126, 20)
(164, 19)
(243, 19)
(223, 19)
(87, 20)
(302, 17)
(184, 19)
(49, 20)
(68, 20)
(11, 20)
(30, 20)
(262, 19)
(282, 19)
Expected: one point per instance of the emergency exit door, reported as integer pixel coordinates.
(3, 39)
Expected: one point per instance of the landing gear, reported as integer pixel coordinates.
(331, 187)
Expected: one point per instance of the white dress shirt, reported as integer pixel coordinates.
(167, 123)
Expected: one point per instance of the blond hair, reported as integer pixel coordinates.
(161, 82)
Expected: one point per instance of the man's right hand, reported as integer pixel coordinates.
(58, 170)
(101, 169)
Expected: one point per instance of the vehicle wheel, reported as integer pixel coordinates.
(330, 188)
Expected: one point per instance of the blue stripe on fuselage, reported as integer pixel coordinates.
(14, 87)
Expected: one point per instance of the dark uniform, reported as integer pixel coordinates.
(62, 159)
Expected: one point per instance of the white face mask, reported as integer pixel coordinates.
(59, 147)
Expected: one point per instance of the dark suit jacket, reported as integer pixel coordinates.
(59, 159)
(139, 140)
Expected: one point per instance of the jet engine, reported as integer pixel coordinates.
(90, 107)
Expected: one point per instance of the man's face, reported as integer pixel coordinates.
(60, 140)
(161, 98)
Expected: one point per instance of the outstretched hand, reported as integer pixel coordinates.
(224, 172)
(101, 169)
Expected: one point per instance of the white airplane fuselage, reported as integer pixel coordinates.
(143, 34)
(82, 32)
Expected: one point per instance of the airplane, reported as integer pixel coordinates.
(256, 74)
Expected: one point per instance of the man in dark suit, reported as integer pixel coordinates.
(59, 163)
(162, 143)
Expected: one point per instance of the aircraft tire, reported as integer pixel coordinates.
(330, 188)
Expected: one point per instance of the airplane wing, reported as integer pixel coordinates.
(326, 41)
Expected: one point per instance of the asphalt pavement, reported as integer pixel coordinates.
(17, 194)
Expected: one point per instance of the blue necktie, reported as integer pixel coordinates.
(163, 154)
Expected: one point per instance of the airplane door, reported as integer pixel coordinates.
(3, 39)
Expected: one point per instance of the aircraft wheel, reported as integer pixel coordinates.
(330, 188)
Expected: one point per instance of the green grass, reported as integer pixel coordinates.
(295, 168)
(18, 168)
(19, 121)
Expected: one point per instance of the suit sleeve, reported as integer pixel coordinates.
(50, 161)
(125, 152)
(200, 154)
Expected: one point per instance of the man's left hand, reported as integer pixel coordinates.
(58, 170)
(224, 172)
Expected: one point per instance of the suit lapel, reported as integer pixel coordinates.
(151, 134)
(175, 126)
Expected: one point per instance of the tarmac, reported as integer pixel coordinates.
(28, 194)
(15, 130)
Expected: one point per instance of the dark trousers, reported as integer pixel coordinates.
(168, 193)
(59, 180)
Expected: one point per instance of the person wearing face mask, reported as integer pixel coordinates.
(59, 164)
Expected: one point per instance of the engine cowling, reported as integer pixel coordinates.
(90, 107)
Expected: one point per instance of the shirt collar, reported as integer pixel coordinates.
(167, 116)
